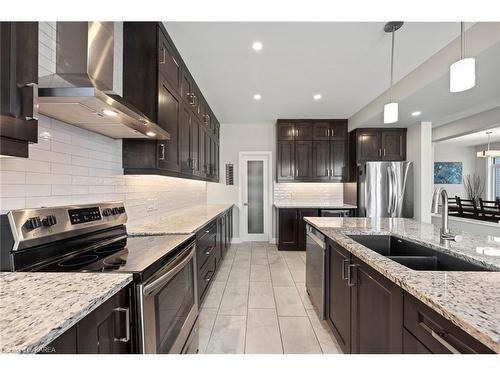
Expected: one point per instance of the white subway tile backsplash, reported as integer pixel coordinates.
(308, 193)
(47, 178)
(12, 177)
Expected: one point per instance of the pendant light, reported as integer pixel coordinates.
(463, 71)
(391, 108)
(487, 153)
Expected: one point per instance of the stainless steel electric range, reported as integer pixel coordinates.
(93, 238)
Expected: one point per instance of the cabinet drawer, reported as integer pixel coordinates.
(205, 275)
(437, 333)
(412, 346)
(206, 243)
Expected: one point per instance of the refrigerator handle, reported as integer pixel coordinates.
(389, 191)
(394, 194)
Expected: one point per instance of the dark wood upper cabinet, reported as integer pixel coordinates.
(286, 158)
(338, 308)
(19, 87)
(377, 312)
(303, 131)
(321, 131)
(321, 160)
(319, 149)
(158, 83)
(303, 160)
(368, 145)
(379, 144)
(338, 162)
(169, 62)
(169, 110)
(393, 145)
(286, 131)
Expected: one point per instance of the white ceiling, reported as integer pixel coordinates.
(473, 139)
(347, 62)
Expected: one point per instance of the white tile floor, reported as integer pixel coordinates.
(258, 304)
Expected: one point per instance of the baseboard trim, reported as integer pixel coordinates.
(236, 240)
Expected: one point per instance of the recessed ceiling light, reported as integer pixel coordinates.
(257, 46)
(416, 113)
(317, 96)
(109, 112)
(150, 134)
(257, 97)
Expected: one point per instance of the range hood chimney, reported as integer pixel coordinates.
(86, 89)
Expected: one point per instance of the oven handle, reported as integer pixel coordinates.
(162, 280)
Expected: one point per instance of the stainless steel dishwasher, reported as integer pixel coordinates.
(315, 269)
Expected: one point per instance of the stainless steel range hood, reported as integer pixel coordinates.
(86, 90)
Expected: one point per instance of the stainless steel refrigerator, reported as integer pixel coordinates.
(385, 189)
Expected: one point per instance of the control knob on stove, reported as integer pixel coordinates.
(106, 211)
(49, 221)
(33, 223)
(115, 210)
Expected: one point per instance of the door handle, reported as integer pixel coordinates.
(349, 274)
(29, 94)
(344, 263)
(245, 204)
(126, 311)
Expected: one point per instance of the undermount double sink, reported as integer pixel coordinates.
(415, 256)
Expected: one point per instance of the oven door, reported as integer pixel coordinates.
(170, 305)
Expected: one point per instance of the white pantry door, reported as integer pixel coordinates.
(255, 179)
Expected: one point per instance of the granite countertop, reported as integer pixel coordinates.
(37, 307)
(314, 205)
(469, 299)
(185, 221)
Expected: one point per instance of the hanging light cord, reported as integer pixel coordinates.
(392, 61)
(462, 40)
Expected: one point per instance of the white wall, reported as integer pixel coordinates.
(452, 153)
(233, 139)
(70, 165)
(419, 151)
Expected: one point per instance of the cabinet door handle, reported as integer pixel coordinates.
(344, 263)
(126, 311)
(349, 274)
(163, 60)
(29, 94)
(439, 338)
(162, 151)
(384, 151)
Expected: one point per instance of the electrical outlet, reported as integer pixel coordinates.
(152, 204)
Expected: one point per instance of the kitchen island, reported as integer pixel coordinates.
(470, 300)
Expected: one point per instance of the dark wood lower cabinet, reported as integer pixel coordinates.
(106, 330)
(338, 309)
(212, 242)
(292, 227)
(370, 314)
(376, 311)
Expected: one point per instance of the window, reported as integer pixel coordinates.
(495, 177)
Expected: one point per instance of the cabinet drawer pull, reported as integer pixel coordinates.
(439, 338)
(162, 151)
(349, 274)
(344, 263)
(163, 60)
(126, 311)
